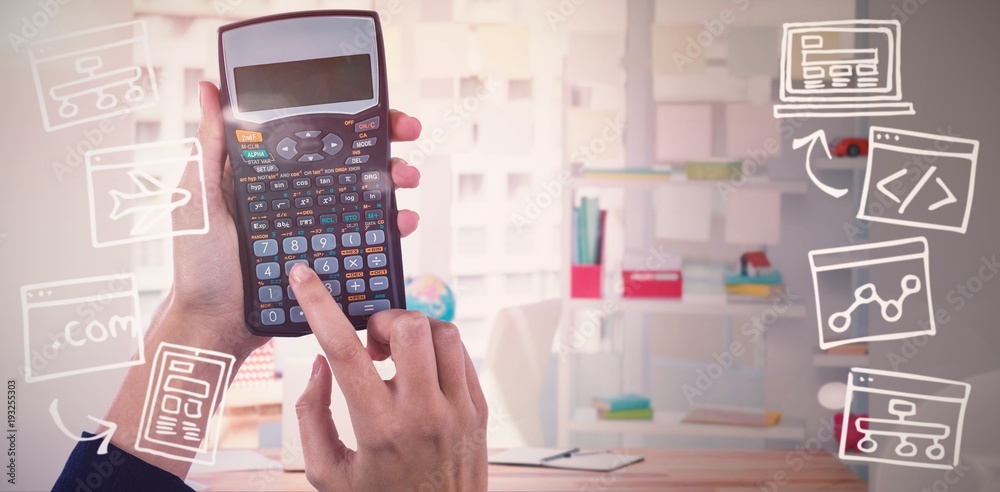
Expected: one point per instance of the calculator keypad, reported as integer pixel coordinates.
(315, 200)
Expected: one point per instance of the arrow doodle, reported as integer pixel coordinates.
(818, 135)
(106, 435)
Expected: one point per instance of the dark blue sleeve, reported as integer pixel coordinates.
(87, 471)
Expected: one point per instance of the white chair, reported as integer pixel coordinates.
(517, 359)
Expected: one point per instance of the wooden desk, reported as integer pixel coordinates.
(663, 470)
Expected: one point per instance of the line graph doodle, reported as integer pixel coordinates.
(892, 309)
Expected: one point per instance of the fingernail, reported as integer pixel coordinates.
(300, 273)
(317, 364)
(201, 107)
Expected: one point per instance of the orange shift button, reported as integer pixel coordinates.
(245, 136)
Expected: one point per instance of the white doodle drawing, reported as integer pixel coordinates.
(78, 326)
(837, 81)
(896, 433)
(911, 172)
(138, 203)
(186, 386)
(92, 74)
(105, 435)
(148, 202)
(818, 136)
(910, 295)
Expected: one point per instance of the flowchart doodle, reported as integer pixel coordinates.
(824, 75)
(186, 386)
(914, 420)
(92, 74)
(919, 179)
(130, 200)
(903, 309)
(78, 326)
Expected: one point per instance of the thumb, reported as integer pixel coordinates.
(320, 441)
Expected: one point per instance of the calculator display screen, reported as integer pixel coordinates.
(304, 83)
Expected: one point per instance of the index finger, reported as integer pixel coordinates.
(351, 365)
(404, 128)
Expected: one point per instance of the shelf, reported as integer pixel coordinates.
(839, 360)
(841, 164)
(682, 306)
(790, 187)
(669, 424)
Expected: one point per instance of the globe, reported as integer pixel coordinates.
(431, 296)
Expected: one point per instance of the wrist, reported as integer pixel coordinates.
(185, 324)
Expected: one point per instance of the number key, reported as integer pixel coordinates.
(267, 271)
(326, 265)
(294, 245)
(291, 263)
(324, 242)
(269, 293)
(274, 316)
(332, 286)
(265, 247)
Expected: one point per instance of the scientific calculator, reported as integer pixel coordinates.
(307, 130)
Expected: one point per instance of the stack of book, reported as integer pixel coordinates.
(729, 415)
(588, 232)
(623, 407)
(755, 278)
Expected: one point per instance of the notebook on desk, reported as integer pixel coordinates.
(565, 458)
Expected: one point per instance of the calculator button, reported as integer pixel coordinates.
(366, 125)
(325, 265)
(332, 286)
(355, 286)
(378, 283)
(352, 216)
(376, 260)
(291, 263)
(267, 271)
(308, 134)
(259, 225)
(255, 154)
(328, 219)
(294, 245)
(324, 242)
(283, 204)
(255, 187)
(246, 136)
(353, 263)
(306, 221)
(265, 247)
(347, 179)
(303, 202)
(373, 214)
(300, 183)
(324, 181)
(282, 223)
(373, 195)
(274, 316)
(269, 293)
(267, 168)
(279, 185)
(310, 158)
(369, 176)
(326, 200)
(332, 144)
(258, 206)
(357, 159)
(286, 148)
(296, 315)
(367, 307)
(376, 236)
(351, 240)
(363, 143)
(291, 293)
(348, 198)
